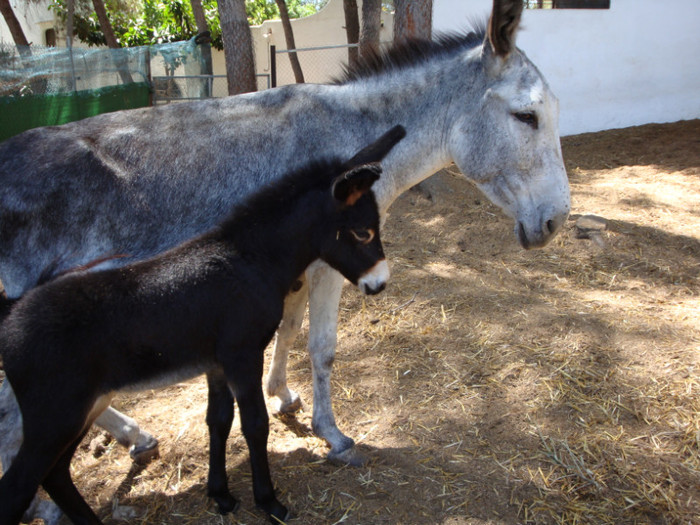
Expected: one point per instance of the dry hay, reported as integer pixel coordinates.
(487, 385)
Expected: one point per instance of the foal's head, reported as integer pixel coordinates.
(353, 245)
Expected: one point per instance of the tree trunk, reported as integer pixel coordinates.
(352, 29)
(289, 38)
(238, 46)
(111, 39)
(105, 24)
(70, 18)
(202, 26)
(15, 28)
(371, 25)
(413, 19)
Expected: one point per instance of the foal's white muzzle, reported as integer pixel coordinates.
(374, 281)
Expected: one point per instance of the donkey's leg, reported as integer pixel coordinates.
(247, 383)
(276, 382)
(10, 442)
(219, 420)
(142, 446)
(325, 287)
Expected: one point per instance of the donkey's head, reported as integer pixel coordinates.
(354, 246)
(511, 150)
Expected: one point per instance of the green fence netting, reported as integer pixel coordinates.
(18, 114)
(43, 86)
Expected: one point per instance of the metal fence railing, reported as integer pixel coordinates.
(318, 64)
(180, 88)
(567, 4)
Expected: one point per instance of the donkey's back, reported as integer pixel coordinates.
(85, 190)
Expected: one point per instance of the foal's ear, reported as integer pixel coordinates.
(379, 148)
(353, 184)
(503, 24)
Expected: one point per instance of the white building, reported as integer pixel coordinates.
(635, 63)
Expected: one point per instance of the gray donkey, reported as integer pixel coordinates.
(139, 182)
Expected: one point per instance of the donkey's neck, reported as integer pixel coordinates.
(413, 99)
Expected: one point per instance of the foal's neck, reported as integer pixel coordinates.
(281, 240)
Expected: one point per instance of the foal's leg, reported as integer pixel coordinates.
(60, 487)
(219, 420)
(20, 482)
(276, 382)
(247, 383)
(49, 432)
(325, 287)
(10, 442)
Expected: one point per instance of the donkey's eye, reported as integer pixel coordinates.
(363, 236)
(528, 118)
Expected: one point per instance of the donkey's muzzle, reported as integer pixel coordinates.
(542, 233)
(374, 281)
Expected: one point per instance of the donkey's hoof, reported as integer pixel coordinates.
(142, 454)
(126, 513)
(44, 510)
(350, 456)
(290, 407)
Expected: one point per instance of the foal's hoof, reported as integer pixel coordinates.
(278, 513)
(226, 504)
(145, 452)
(350, 456)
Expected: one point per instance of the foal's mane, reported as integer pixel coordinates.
(411, 52)
(317, 175)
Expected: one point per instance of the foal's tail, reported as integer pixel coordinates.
(5, 305)
(50, 273)
(376, 151)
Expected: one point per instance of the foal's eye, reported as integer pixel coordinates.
(527, 118)
(363, 236)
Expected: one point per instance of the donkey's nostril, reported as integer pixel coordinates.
(550, 227)
(522, 236)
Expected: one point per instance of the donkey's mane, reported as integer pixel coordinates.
(411, 52)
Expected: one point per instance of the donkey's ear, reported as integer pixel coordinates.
(503, 25)
(353, 184)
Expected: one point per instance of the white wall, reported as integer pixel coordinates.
(34, 18)
(636, 63)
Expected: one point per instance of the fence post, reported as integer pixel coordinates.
(273, 66)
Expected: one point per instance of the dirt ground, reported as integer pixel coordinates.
(487, 385)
